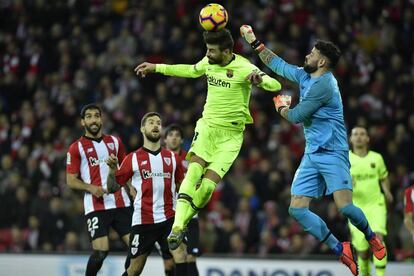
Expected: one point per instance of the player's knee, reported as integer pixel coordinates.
(180, 257)
(137, 265)
(297, 213)
(134, 270)
(98, 256)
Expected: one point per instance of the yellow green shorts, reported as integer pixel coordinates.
(377, 219)
(219, 147)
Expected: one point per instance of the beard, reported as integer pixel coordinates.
(216, 60)
(310, 68)
(153, 137)
(91, 131)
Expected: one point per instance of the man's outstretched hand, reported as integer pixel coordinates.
(144, 68)
(254, 77)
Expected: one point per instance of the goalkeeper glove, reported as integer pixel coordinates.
(247, 33)
(282, 101)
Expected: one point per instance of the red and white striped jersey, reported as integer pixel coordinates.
(154, 176)
(183, 154)
(86, 157)
(409, 199)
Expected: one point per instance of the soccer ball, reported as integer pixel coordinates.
(213, 17)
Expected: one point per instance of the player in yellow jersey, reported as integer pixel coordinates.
(371, 190)
(219, 133)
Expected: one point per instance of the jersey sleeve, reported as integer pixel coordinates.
(408, 200)
(382, 169)
(125, 171)
(268, 83)
(318, 95)
(286, 70)
(73, 159)
(180, 170)
(121, 151)
(183, 70)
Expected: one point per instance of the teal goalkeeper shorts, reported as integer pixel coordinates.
(322, 173)
(218, 146)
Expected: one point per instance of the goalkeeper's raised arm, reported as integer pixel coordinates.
(270, 59)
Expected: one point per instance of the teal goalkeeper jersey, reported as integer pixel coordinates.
(228, 92)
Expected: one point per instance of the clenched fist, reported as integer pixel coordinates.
(282, 101)
(255, 77)
(112, 161)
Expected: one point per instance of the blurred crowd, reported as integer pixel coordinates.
(56, 56)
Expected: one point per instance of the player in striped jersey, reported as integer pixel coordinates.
(173, 141)
(88, 161)
(154, 173)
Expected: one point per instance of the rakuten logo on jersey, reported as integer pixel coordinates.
(95, 162)
(147, 174)
(217, 82)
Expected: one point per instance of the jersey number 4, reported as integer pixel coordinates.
(135, 240)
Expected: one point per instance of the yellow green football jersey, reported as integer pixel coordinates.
(367, 172)
(228, 91)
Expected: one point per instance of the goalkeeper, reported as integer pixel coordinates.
(324, 168)
(219, 133)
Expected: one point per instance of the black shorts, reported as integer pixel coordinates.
(143, 238)
(193, 237)
(119, 219)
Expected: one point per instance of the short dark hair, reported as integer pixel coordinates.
(360, 126)
(89, 106)
(147, 115)
(221, 38)
(329, 50)
(173, 127)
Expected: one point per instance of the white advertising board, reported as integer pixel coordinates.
(74, 265)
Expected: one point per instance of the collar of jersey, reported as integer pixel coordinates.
(152, 152)
(233, 58)
(94, 139)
